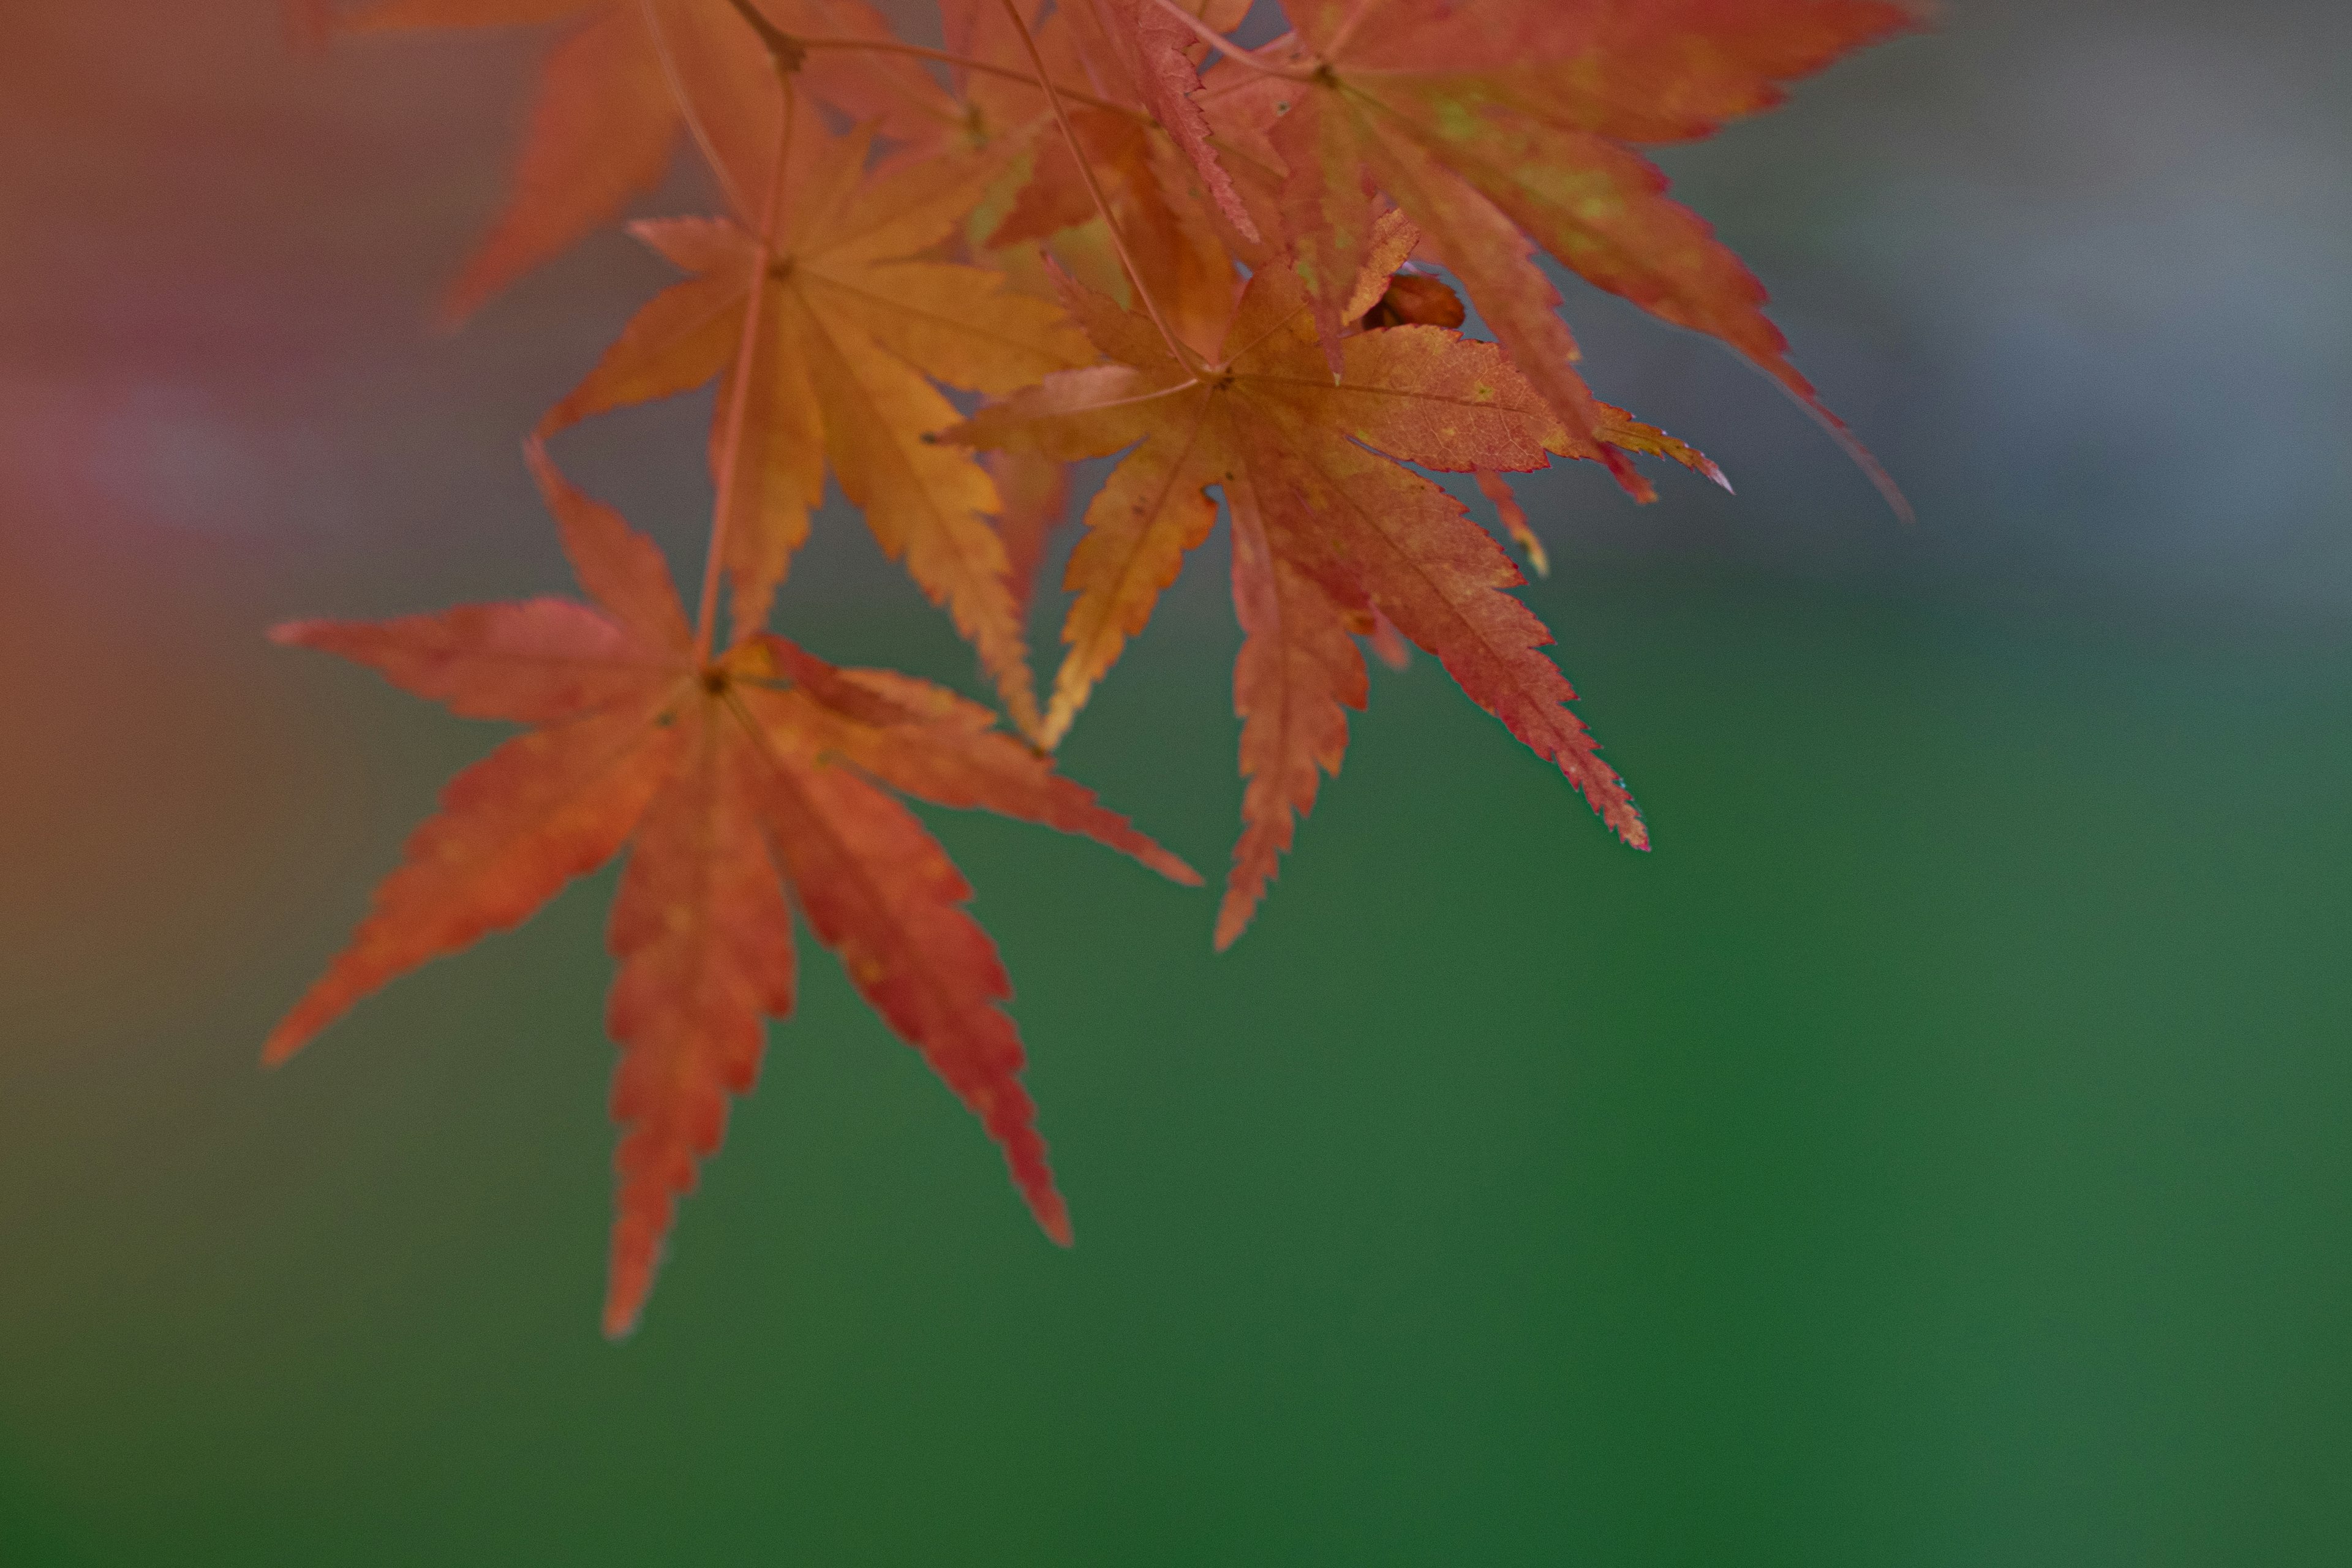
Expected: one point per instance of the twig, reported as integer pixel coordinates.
(782, 47)
(686, 110)
(738, 403)
(986, 68)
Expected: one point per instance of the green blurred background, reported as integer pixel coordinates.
(1935, 1152)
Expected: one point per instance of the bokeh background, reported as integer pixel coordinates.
(1934, 1153)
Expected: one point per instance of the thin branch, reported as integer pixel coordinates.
(1224, 45)
(782, 47)
(986, 68)
(738, 403)
(1093, 188)
(685, 111)
(1010, 73)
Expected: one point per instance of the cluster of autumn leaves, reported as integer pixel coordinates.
(1129, 235)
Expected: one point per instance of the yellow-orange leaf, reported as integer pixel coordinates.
(853, 335)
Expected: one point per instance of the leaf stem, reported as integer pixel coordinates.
(1094, 187)
(1185, 385)
(990, 68)
(779, 41)
(1226, 46)
(782, 47)
(694, 125)
(738, 403)
(1026, 78)
(967, 62)
(1221, 85)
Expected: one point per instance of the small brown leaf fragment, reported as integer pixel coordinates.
(1417, 299)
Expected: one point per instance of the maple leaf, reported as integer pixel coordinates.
(849, 330)
(733, 782)
(606, 116)
(1331, 533)
(1494, 126)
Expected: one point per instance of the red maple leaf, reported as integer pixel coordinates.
(736, 782)
(1331, 531)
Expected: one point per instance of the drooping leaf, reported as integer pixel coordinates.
(1332, 531)
(763, 773)
(1298, 674)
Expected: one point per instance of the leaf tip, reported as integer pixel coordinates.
(462, 300)
(1174, 866)
(635, 1256)
(1060, 714)
(284, 1041)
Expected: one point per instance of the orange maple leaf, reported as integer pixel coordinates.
(1330, 531)
(608, 115)
(1493, 126)
(734, 783)
(850, 328)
